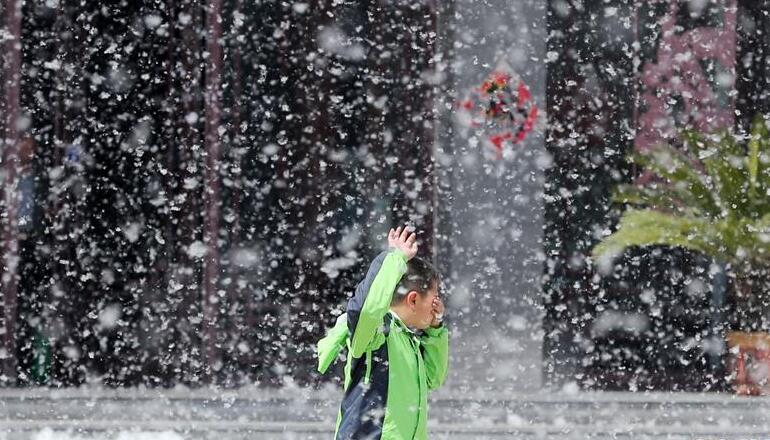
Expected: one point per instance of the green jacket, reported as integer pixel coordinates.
(389, 369)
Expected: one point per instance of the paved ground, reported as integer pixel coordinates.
(309, 414)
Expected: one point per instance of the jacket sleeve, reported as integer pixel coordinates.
(329, 347)
(435, 352)
(374, 297)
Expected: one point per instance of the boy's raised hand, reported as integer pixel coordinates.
(403, 240)
(438, 312)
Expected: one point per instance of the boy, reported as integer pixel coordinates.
(397, 346)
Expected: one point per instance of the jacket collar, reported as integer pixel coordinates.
(397, 319)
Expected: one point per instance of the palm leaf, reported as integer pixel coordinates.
(756, 240)
(665, 161)
(730, 176)
(725, 165)
(655, 196)
(758, 131)
(714, 199)
(649, 227)
(651, 196)
(758, 167)
(697, 144)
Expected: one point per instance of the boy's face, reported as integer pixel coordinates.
(423, 307)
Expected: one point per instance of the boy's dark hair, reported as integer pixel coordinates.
(420, 276)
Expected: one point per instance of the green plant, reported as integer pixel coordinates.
(712, 195)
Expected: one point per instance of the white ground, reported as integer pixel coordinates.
(99, 414)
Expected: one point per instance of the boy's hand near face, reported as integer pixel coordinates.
(438, 312)
(403, 240)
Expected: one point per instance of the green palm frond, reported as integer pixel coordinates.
(712, 196)
(696, 143)
(648, 227)
(756, 239)
(655, 196)
(727, 170)
(758, 164)
(682, 176)
(758, 131)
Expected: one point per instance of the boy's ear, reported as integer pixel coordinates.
(411, 297)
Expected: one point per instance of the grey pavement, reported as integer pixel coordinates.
(297, 413)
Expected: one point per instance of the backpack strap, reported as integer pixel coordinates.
(386, 324)
(386, 320)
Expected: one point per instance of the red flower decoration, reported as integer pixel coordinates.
(503, 107)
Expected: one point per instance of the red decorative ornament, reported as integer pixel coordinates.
(502, 106)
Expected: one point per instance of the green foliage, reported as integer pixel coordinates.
(712, 196)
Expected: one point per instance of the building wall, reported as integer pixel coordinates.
(628, 75)
(491, 226)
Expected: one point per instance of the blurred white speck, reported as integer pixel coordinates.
(300, 8)
(197, 249)
(571, 388)
(109, 316)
